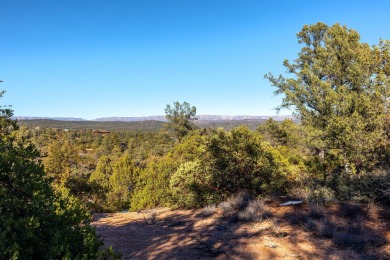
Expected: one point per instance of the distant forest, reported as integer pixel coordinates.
(149, 125)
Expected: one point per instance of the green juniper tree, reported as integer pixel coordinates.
(180, 118)
(339, 88)
(122, 182)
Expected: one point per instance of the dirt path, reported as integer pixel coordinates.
(184, 234)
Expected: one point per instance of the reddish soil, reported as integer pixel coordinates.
(185, 234)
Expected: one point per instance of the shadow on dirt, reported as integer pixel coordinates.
(347, 225)
(177, 236)
(342, 231)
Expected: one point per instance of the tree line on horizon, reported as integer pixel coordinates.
(338, 87)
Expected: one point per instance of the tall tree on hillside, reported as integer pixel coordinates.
(180, 118)
(339, 87)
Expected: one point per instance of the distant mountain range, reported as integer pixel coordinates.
(49, 118)
(160, 118)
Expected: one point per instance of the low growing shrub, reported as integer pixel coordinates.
(242, 207)
(316, 211)
(235, 203)
(255, 211)
(371, 187)
(151, 218)
(208, 211)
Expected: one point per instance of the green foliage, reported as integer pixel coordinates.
(372, 187)
(189, 186)
(103, 172)
(219, 164)
(321, 194)
(153, 184)
(288, 138)
(286, 133)
(122, 183)
(191, 147)
(117, 178)
(36, 222)
(241, 160)
(75, 233)
(118, 126)
(148, 126)
(110, 145)
(84, 162)
(179, 118)
(61, 158)
(91, 195)
(340, 90)
(145, 145)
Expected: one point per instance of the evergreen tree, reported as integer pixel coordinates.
(122, 182)
(180, 118)
(36, 222)
(103, 172)
(340, 90)
(61, 158)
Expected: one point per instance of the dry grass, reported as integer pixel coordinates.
(208, 211)
(316, 211)
(255, 211)
(235, 203)
(347, 228)
(242, 207)
(151, 218)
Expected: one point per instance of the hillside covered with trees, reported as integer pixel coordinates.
(339, 150)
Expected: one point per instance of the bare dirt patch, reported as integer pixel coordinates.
(339, 231)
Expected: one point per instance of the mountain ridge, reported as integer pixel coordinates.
(162, 118)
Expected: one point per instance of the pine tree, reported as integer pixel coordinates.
(339, 88)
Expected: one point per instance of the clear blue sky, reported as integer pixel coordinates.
(80, 58)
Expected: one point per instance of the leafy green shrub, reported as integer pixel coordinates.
(190, 147)
(240, 160)
(153, 185)
(90, 194)
(371, 187)
(160, 182)
(286, 133)
(314, 195)
(321, 195)
(35, 221)
(122, 183)
(220, 164)
(189, 186)
(103, 171)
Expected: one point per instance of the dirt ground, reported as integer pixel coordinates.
(285, 234)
